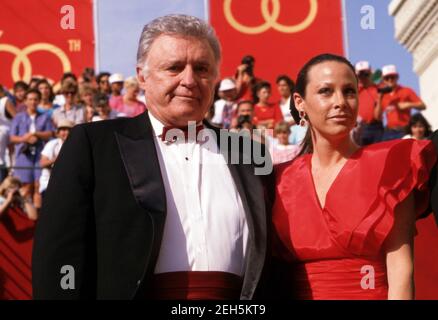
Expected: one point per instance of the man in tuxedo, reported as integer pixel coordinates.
(136, 208)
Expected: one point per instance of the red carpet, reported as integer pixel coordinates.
(16, 237)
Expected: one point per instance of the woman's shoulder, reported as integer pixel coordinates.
(291, 167)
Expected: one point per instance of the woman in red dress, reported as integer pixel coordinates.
(344, 216)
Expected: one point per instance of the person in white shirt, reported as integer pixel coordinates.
(225, 108)
(282, 150)
(50, 153)
(285, 87)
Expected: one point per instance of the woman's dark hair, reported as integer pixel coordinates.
(300, 88)
(45, 81)
(259, 86)
(418, 118)
(101, 75)
(288, 80)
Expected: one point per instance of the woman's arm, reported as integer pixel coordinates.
(378, 111)
(400, 252)
(29, 209)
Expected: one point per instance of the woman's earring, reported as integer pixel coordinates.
(303, 121)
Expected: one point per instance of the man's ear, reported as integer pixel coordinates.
(140, 75)
(299, 102)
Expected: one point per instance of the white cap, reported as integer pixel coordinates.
(227, 84)
(388, 70)
(116, 77)
(362, 66)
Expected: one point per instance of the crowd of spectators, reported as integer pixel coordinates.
(35, 119)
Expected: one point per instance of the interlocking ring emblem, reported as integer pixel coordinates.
(22, 58)
(271, 18)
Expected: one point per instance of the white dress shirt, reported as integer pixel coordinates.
(285, 110)
(206, 227)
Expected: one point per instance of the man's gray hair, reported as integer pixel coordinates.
(176, 24)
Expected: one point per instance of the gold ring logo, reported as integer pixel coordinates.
(21, 58)
(271, 18)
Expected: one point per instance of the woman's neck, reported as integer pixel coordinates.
(46, 104)
(327, 153)
(283, 99)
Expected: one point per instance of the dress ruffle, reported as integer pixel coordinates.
(386, 174)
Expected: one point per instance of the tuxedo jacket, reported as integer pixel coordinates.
(104, 212)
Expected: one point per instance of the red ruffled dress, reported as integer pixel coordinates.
(336, 252)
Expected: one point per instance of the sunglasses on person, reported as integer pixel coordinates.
(364, 74)
(391, 77)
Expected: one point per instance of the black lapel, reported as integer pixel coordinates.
(251, 192)
(137, 149)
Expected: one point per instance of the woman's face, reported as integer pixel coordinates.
(331, 99)
(45, 91)
(19, 94)
(264, 94)
(103, 109)
(132, 91)
(89, 112)
(418, 131)
(283, 137)
(283, 89)
(87, 98)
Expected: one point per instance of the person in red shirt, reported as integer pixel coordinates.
(370, 127)
(397, 104)
(267, 114)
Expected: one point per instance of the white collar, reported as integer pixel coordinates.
(157, 126)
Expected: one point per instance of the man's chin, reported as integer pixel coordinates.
(183, 118)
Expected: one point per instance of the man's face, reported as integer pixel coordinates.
(117, 87)
(364, 77)
(245, 109)
(229, 95)
(104, 84)
(390, 80)
(283, 89)
(32, 100)
(179, 80)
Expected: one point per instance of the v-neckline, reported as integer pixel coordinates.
(315, 193)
